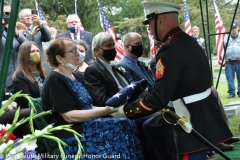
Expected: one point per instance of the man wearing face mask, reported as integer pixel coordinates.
(102, 79)
(18, 39)
(75, 33)
(135, 69)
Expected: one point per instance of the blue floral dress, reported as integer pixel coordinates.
(104, 138)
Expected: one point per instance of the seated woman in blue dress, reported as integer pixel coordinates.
(64, 93)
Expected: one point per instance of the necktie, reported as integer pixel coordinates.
(29, 30)
(144, 71)
(75, 36)
(119, 78)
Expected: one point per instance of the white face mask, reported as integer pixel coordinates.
(81, 56)
(70, 66)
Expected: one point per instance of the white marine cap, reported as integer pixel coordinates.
(152, 8)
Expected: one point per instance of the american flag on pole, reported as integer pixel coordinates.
(151, 40)
(107, 27)
(75, 10)
(187, 23)
(41, 15)
(219, 38)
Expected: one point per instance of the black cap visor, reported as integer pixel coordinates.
(150, 16)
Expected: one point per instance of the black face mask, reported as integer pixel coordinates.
(109, 54)
(137, 50)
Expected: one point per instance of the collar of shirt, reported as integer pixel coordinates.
(234, 37)
(107, 65)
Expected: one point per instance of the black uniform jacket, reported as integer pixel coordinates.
(182, 69)
(100, 84)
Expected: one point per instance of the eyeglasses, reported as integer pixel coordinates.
(73, 22)
(73, 51)
(27, 15)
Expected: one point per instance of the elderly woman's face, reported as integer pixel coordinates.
(71, 53)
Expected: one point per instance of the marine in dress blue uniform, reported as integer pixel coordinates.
(182, 72)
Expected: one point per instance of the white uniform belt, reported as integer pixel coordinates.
(197, 97)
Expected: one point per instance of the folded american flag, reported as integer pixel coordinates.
(127, 94)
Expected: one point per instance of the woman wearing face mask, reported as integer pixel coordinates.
(83, 49)
(64, 93)
(30, 75)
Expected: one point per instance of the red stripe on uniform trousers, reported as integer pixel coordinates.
(185, 157)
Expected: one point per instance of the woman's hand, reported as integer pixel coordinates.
(11, 106)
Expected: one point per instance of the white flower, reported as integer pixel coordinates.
(31, 145)
(37, 132)
(2, 147)
(17, 149)
(19, 155)
(8, 126)
(121, 69)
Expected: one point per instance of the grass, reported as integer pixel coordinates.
(222, 91)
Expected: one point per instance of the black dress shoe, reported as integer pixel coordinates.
(232, 140)
(225, 147)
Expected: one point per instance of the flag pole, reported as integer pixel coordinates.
(75, 2)
(36, 4)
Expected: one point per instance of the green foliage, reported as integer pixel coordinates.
(59, 23)
(126, 15)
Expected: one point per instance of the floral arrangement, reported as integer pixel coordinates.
(13, 148)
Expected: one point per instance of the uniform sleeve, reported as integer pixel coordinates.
(168, 69)
(95, 86)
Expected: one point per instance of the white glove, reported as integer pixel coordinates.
(119, 113)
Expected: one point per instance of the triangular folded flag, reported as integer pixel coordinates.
(127, 94)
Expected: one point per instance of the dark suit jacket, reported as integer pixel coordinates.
(100, 83)
(17, 41)
(133, 72)
(84, 35)
(27, 87)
